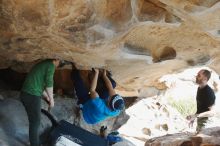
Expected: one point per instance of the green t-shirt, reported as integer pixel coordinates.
(39, 78)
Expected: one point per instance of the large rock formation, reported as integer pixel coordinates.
(139, 40)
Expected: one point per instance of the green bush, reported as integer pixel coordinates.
(184, 106)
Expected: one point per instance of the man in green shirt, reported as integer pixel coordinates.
(38, 83)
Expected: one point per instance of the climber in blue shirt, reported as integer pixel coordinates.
(97, 108)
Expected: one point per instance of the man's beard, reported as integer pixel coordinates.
(198, 81)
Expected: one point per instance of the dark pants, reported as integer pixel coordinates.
(201, 123)
(32, 106)
(82, 92)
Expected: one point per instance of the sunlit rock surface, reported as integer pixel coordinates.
(165, 113)
(151, 118)
(182, 89)
(138, 40)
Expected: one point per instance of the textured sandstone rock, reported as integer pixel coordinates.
(138, 40)
(186, 139)
(153, 10)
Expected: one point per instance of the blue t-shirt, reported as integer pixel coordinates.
(96, 110)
